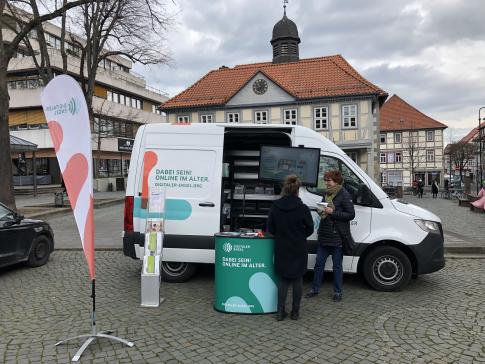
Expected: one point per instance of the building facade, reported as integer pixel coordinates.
(471, 166)
(325, 94)
(411, 145)
(122, 102)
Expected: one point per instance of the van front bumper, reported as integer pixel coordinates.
(429, 253)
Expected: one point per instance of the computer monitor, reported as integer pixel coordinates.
(276, 163)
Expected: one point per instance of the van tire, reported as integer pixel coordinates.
(177, 272)
(387, 269)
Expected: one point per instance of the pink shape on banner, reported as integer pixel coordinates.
(55, 130)
(75, 176)
(89, 239)
(149, 161)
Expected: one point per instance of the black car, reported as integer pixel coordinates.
(24, 240)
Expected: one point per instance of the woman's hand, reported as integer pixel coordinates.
(328, 210)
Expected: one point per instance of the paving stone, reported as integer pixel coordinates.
(438, 318)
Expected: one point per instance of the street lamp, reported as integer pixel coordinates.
(480, 144)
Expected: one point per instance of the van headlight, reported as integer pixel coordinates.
(428, 226)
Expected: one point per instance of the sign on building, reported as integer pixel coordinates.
(125, 145)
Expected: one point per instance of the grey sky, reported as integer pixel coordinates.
(429, 52)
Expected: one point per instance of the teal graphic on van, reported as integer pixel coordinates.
(175, 209)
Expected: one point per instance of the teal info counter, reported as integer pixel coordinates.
(245, 281)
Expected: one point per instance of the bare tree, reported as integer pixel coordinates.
(128, 28)
(412, 152)
(15, 26)
(462, 154)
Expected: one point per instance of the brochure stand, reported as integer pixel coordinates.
(154, 231)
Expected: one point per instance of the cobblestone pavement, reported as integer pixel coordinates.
(438, 318)
(457, 220)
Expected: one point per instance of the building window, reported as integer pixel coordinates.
(383, 138)
(430, 135)
(397, 138)
(349, 116)
(398, 157)
(383, 178)
(320, 118)
(156, 110)
(390, 157)
(382, 157)
(42, 166)
(183, 119)
(394, 178)
(290, 117)
(430, 156)
(206, 118)
(261, 117)
(353, 156)
(124, 99)
(233, 117)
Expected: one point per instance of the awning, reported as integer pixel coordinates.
(21, 145)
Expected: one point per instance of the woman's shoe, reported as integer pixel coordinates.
(295, 315)
(337, 297)
(281, 315)
(311, 294)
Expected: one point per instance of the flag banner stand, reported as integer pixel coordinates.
(67, 117)
(94, 333)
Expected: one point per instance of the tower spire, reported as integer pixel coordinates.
(285, 39)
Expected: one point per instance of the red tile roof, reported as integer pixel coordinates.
(305, 79)
(472, 134)
(397, 114)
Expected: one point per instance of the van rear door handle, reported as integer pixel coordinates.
(207, 204)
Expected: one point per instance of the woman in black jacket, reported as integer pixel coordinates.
(291, 223)
(334, 223)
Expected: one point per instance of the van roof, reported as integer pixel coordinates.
(298, 131)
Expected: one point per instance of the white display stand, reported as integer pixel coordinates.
(152, 260)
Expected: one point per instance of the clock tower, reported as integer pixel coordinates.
(285, 40)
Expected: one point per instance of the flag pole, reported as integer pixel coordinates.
(94, 334)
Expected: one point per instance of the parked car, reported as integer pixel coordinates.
(24, 240)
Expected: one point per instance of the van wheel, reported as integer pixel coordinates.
(387, 269)
(177, 272)
(40, 251)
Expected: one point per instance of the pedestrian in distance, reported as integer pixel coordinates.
(420, 188)
(290, 222)
(415, 188)
(334, 226)
(435, 187)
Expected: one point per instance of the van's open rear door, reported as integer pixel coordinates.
(186, 161)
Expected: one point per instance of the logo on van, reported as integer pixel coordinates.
(227, 247)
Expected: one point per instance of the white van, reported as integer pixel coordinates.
(396, 240)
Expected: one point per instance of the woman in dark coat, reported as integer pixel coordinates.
(291, 223)
(334, 223)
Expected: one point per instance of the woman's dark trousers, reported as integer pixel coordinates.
(323, 252)
(283, 291)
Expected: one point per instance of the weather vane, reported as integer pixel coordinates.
(284, 6)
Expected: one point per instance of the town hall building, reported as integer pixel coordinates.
(325, 94)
